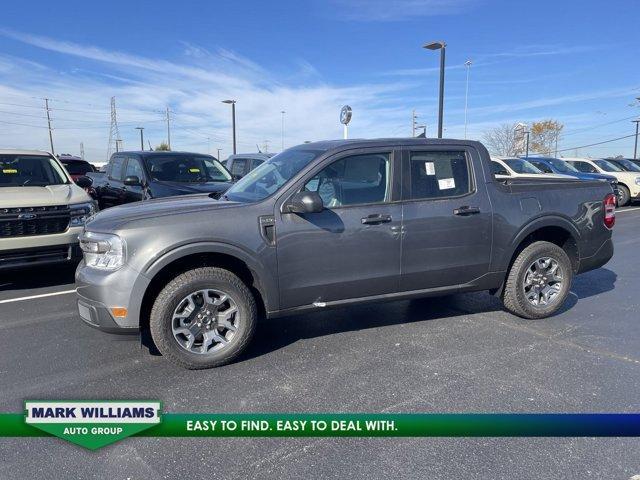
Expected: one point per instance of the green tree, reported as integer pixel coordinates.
(163, 147)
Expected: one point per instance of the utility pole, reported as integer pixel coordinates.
(82, 150)
(527, 154)
(413, 123)
(218, 157)
(168, 129)
(635, 145)
(282, 130)
(46, 107)
(266, 146)
(141, 137)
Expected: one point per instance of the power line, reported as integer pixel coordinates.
(598, 143)
(598, 126)
(22, 124)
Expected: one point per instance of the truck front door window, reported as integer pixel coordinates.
(354, 180)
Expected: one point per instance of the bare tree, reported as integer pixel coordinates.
(503, 140)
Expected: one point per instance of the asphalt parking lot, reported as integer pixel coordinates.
(460, 353)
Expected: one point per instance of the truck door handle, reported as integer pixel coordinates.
(375, 219)
(466, 210)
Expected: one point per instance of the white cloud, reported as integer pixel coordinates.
(394, 10)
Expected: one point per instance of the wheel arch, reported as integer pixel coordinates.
(226, 256)
(554, 229)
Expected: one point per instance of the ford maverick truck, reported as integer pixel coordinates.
(337, 223)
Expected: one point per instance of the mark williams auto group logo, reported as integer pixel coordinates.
(92, 424)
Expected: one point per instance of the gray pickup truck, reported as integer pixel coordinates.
(337, 223)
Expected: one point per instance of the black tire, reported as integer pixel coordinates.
(624, 196)
(514, 298)
(181, 286)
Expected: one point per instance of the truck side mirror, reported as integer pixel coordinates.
(84, 182)
(305, 202)
(132, 181)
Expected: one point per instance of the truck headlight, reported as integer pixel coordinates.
(637, 180)
(80, 212)
(104, 251)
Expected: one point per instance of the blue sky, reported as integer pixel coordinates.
(575, 61)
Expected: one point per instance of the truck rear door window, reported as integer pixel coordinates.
(440, 174)
(238, 166)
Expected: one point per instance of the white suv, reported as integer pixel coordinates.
(42, 210)
(628, 182)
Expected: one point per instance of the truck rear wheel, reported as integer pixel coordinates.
(203, 318)
(539, 281)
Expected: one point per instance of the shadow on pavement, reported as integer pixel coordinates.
(594, 282)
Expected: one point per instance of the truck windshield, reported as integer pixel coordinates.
(607, 166)
(562, 167)
(269, 177)
(30, 171)
(521, 166)
(186, 169)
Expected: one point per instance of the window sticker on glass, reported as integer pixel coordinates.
(194, 170)
(446, 183)
(9, 170)
(429, 168)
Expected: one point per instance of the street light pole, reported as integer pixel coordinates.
(527, 147)
(141, 137)
(233, 120)
(219, 149)
(282, 112)
(439, 45)
(635, 145)
(466, 97)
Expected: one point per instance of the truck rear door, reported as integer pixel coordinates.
(447, 217)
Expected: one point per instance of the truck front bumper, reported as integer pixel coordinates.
(37, 250)
(103, 297)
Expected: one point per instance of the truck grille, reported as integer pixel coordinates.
(24, 221)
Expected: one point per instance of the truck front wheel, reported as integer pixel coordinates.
(203, 318)
(539, 281)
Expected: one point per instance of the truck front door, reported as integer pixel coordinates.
(110, 192)
(352, 248)
(133, 193)
(447, 218)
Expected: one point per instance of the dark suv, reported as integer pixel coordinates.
(335, 223)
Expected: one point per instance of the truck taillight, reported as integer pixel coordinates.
(609, 210)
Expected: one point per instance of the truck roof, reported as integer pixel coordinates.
(151, 153)
(9, 151)
(384, 142)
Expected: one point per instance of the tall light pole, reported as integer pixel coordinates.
(527, 147)
(141, 137)
(48, 110)
(466, 96)
(168, 129)
(233, 120)
(218, 157)
(635, 145)
(282, 112)
(439, 45)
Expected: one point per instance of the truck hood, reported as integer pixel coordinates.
(11, 197)
(115, 217)
(182, 188)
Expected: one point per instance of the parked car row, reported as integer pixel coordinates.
(622, 174)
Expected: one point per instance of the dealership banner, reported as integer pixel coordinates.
(94, 424)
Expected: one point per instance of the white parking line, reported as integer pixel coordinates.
(31, 297)
(628, 210)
